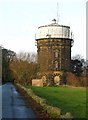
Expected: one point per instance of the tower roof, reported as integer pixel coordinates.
(53, 30)
(54, 24)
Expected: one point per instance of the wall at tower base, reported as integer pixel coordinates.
(37, 82)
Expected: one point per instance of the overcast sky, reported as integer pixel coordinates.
(19, 20)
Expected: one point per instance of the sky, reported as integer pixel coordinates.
(20, 19)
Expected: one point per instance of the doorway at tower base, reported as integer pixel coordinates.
(57, 80)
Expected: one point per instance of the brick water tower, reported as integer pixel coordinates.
(54, 44)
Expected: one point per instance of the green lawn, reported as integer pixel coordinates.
(68, 99)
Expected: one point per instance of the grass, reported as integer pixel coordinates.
(67, 99)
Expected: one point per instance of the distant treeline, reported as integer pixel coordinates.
(23, 67)
(20, 67)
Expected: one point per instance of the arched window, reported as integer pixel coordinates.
(56, 53)
(56, 64)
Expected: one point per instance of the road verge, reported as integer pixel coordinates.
(51, 112)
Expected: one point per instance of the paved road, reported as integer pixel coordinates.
(13, 106)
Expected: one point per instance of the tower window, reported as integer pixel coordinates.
(56, 64)
(56, 53)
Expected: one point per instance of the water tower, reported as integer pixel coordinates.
(54, 44)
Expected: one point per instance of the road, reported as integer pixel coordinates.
(13, 106)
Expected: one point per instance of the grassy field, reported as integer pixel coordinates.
(68, 99)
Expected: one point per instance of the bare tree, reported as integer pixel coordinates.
(24, 67)
(29, 57)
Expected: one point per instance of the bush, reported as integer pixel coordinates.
(74, 80)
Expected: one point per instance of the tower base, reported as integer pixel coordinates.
(50, 78)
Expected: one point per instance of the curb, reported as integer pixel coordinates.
(54, 112)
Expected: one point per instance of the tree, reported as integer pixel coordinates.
(7, 57)
(24, 67)
(77, 65)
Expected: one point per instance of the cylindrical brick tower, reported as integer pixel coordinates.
(54, 43)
